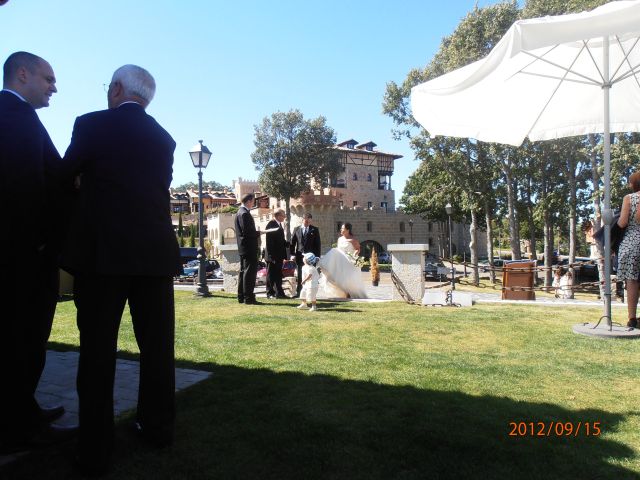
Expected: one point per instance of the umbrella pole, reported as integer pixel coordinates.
(608, 214)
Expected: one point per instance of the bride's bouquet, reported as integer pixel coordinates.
(356, 260)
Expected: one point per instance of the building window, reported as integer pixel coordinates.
(369, 205)
(341, 204)
(430, 242)
(355, 203)
(368, 177)
(355, 176)
(369, 227)
(383, 205)
(430, 226)
(338, 226)
(401, 239)
(402, 226)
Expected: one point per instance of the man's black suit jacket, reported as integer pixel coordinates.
(246, 234)
(121, 223)
(29, 177)
(276, 248)
(304, 244)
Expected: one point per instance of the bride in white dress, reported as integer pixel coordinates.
(341, 278)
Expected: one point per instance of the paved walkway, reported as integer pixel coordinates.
(58, 384)
(384, 292)
(58, 387)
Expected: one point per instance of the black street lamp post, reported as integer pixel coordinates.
(449, 210)
(411, 228)
(200, 156)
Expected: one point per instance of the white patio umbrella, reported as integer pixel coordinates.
(547, 78)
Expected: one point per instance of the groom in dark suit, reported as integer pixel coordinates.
(305, 239)
(247, 239)
(29, 171)
(122, 248)
(275, 254)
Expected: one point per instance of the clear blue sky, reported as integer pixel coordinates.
(221, 67)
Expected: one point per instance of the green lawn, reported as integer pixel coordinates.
(383, 391)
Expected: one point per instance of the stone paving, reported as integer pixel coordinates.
(58, 387)
(58, 384)
(384, 292)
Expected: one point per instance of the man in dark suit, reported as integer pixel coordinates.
(29, 165)
(122, 247)
(247, 238)
(305, 239)
(275, 254)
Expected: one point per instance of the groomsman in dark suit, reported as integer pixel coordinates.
(275, 254)
(29, 165)
(125, 161)
(305, 239)
(247, 238)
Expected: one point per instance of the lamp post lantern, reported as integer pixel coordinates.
(411, 228)
(200, 156)
(449, 209)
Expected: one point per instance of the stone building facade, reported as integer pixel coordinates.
(361, 195)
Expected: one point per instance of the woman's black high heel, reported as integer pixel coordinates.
(633, 323)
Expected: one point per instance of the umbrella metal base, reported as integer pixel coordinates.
(602, 330)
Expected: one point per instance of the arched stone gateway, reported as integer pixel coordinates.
(367, 246)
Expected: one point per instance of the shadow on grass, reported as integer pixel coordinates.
(258, 424)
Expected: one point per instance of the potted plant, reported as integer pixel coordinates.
(375, 271)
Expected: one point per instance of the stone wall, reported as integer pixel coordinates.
(363, 191)
(375, 224)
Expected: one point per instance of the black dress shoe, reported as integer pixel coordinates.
(633, 323)
(48, 415)
(253, 302)
(281, 296)
(240, 300)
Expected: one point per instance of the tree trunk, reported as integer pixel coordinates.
(487, 216)
(531, 223)
(473, 247)
(571, 170)
(548, 248)
(287, 209)
(516, 254)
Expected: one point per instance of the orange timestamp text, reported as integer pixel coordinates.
(554, 429)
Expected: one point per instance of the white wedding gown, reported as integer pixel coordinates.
(339, 275)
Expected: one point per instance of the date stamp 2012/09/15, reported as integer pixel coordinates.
(554, 429)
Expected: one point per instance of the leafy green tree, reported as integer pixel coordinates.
(541, 8)
(193, 232)
(459, 170)
(211, 184)
(292, 154)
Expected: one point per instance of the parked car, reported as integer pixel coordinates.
(434, 269)
(483, 264)
(213, 269)
(188, 253)
(584, 272)
(289, 268)
(384, 257)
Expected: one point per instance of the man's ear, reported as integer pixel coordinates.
(22, 74)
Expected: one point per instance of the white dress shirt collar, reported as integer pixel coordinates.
(15, 93)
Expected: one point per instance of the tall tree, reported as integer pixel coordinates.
(210, 185)
(293, 155)
(461, 170)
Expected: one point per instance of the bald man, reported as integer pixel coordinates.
(29, 173)
(126, 161)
